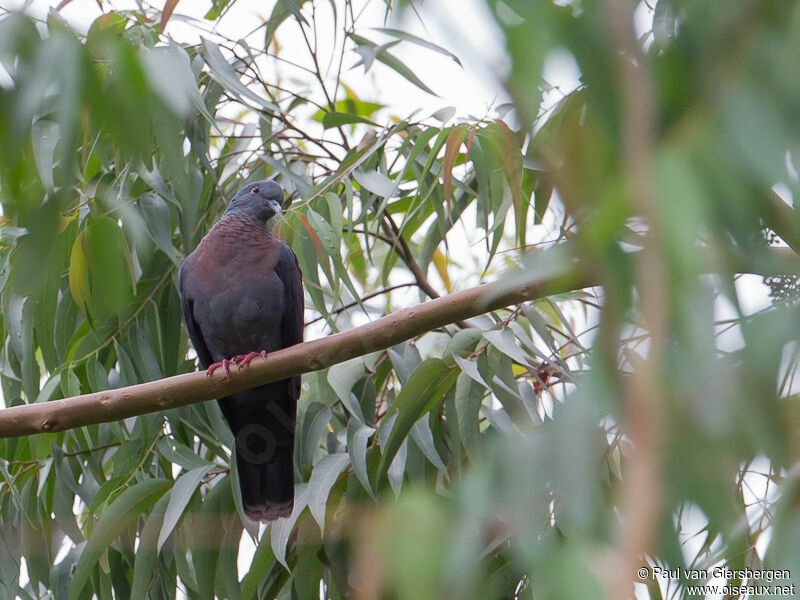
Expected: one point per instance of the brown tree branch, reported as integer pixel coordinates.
(641, 493)
(180, 390)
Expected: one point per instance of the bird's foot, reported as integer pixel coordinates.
(224, 364)
(242, 360)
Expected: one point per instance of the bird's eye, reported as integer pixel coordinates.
(255, 190)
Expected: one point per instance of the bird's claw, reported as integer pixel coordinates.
(224, 363)
(240, 360)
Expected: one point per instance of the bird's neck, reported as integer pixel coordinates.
(237, 236)
(238, 224)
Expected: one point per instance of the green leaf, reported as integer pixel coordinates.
(375, 182)
(423, 436)
(280, 12)
(337, 119)
(468, 399)
(357, 441)
(342, 378)
(179, 496)
(45, 135)
(383, 55)
(505, 341)
(224, 74)
(315, 420)
(262, 559)
(470, 368)
(126, 509)
(280, 529)
(101, 271)
(170, 74)
(18, 320)
(145, 566)
(208, 532)
(397, 469)
(216, 9)
(424, 389)
(443, 115)
(351, 106)
(61, 574)
(402, 35)
(405, 358)
(664, 21)
(329, 238)
(323, 477)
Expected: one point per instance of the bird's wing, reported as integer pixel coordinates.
(288, 270)
(192, 326)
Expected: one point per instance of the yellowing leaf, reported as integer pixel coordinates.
(100, 273)
(440, 262)
(79, 273)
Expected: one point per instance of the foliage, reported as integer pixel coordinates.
(492, 461)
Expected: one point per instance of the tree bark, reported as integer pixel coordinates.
(180, 390)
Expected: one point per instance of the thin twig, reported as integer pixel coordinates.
(364, 299)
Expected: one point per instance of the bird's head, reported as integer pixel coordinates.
(260, 200)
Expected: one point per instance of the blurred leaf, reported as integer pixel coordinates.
(156, 215)
(101, 271)
(132, 502)
(179, 496)
(280, 529)
(170, 72)
(45, 136)
(218, 6)
(262, 559)
(147, 554)
(324, 475)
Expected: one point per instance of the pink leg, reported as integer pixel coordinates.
(223, 363)
(242, 360)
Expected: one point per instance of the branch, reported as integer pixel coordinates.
(641, 493)
(181, 390)
(363, 299)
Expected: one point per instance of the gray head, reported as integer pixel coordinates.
(260, 200)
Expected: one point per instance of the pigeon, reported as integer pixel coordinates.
(242, 296)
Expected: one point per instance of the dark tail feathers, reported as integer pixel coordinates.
(263, 421)
(267, 485)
